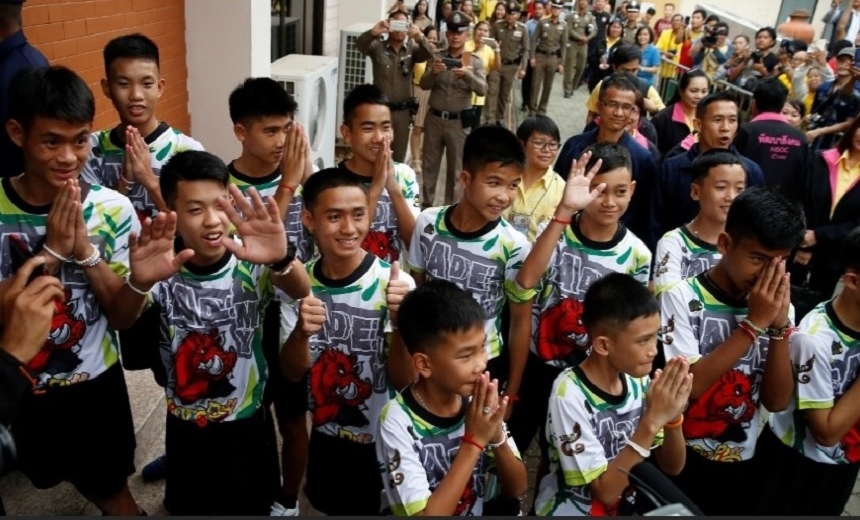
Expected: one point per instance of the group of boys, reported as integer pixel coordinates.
(425, 348)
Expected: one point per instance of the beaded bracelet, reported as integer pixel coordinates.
(91, 260)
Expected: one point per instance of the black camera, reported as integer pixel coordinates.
(756, 56)
(709, 39)
(7, 450)
(815, 121)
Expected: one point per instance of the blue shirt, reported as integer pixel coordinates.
(644, 173)
(15, 54)
(650, 58)
(531, 25)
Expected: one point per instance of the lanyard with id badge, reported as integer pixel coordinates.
(522, 221)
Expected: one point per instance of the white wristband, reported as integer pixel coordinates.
(639, 449)
(135, 289)
(55, 254)
(502, 442)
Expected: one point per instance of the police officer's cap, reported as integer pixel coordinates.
(514, 7)
(633, 6)
(458, 22)
(556, 4)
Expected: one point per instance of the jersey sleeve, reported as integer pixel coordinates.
(667, 268)
(679, 338)
(415, 256)
(404, 479)
(580, 453)
(810, 355)
(515, 259)
(122, 222)
(408, 182)
(92, 170)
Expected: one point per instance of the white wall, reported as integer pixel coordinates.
(331, 32)
(343, 13)
(227, 41)
(762, 13)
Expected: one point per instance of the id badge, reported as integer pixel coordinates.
(518, 34)
(521, 222)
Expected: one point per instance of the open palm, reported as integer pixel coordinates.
(577, 190)
(151, 254)
(263, 238)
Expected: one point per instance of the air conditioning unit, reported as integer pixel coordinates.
(312, 81)
(355, 68)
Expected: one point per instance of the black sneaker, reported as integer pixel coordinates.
(155, 470)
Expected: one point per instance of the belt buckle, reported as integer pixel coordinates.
(445, 114)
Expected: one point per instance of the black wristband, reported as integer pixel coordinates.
(291, 255)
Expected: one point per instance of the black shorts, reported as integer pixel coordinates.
(720, 488)
(795, 485)
(81, 433)
(343, 477)
(530, 411)
(290, 398)
(228, 468)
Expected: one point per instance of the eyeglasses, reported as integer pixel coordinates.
(552, 146)
(614, 105)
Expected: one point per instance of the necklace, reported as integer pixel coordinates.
(419, 398)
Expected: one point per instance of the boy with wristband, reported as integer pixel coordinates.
(733, 323)
(604, 415)
(274, 161)
(435, 443)
(718, 177)
(584, 241)
(813, 446)
(129, 156)
(212, 291)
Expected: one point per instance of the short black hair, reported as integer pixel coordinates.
(492, 144)
(365, 94)
(770, 95)
(701, 12)
(713, 97)
(685, 80)
(712, 18)
(615, 300)
(538, 125)
(325, 179)
(764, 214)
(130, 46)
(260, 97)
(614, 156)
(620, 80)
(10, 15)
(850, 254)
(651, 11)
(703, 163)
(434, 309)
(190, 165)
(54, 93)
(624, 53)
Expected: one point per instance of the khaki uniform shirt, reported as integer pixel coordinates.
(392, 70)
(513, 42)
(549, 37)
(580, 26)
(452, 94)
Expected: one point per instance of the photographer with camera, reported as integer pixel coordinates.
(711, 50)
(836, 103)
(28, 307)
(758, 63)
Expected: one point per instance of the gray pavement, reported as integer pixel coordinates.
(148, 408)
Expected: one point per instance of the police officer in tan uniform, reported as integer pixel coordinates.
(392, 71)
(451, 79)
(632, 24)
(581, 28)
(547, 57)
(513, 38)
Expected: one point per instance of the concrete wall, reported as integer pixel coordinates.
(74, 32)
(228, 41)
(760, 13)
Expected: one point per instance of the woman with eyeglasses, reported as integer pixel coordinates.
(674, 124)
(541, 189)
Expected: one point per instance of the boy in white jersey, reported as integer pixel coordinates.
(77, 425)
(812, 448)
(347, 345)
(129, 156)
(435, 444)
(731, 322)
(274, 161)
(718, 177)
(584, 241)
(604, 414)
(212, 293)
(471, 245)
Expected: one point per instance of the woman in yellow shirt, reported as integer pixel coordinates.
(669, 43)
(488, 54)
(423, 98)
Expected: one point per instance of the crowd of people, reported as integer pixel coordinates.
(673, 281)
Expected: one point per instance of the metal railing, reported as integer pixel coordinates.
(668, 85)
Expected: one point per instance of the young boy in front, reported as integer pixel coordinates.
(471, 245)
(813, 446)
(129, 156)
(435, 444)
(732, 323)
(604, 415)
(347, 344)
(275, 161)
(584, 241)
(212, 292)
(76, 426)
(718, 177)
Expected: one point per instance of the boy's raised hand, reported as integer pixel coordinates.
(383, 171)
(295, 155)
(767, 299)
(151, 254)
(312, 315)
(669, 391)
(397, 290)
(264, 240)
(61, 227)
(486, 411)
(138, 162)
(577, 190)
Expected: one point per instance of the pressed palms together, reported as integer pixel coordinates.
(263, 239)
